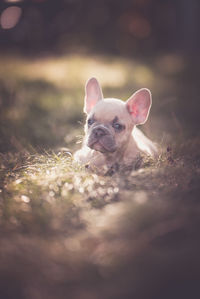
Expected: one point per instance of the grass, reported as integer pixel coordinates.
(41, 191)
(68, 232)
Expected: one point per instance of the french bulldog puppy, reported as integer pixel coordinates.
(111, 137)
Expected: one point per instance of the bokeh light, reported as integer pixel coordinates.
(13, 1)
(137, 25)
(10, 17)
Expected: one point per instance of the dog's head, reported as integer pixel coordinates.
(110, 121)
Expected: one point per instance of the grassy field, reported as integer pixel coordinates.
(68, 233)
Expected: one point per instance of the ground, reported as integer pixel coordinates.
(68, 233)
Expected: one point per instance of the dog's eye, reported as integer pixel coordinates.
(118, 127)
(90, 121)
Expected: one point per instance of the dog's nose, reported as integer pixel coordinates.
(99, 132)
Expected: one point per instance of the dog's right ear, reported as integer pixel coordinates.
(93, 94)
(138, 105)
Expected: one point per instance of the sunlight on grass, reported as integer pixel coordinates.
(47, 191)
(67, 71)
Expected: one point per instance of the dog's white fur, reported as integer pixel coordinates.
(104, 144)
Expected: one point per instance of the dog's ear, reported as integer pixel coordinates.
(139, 104)
(93, 94)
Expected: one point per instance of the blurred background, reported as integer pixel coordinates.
(48, 49)
(130, 27)
(67, 233)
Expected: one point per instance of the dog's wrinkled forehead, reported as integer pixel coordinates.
(108, 109)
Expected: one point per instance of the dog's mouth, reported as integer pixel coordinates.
(103, 144)
(97, 146)
(101, 147)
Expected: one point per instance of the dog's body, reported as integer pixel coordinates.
(110, 134)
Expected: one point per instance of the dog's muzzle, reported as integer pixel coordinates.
(101, 139)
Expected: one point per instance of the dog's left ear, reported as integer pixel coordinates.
(138, 105)
(93, 94)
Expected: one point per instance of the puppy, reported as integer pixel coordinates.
(111, 137)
